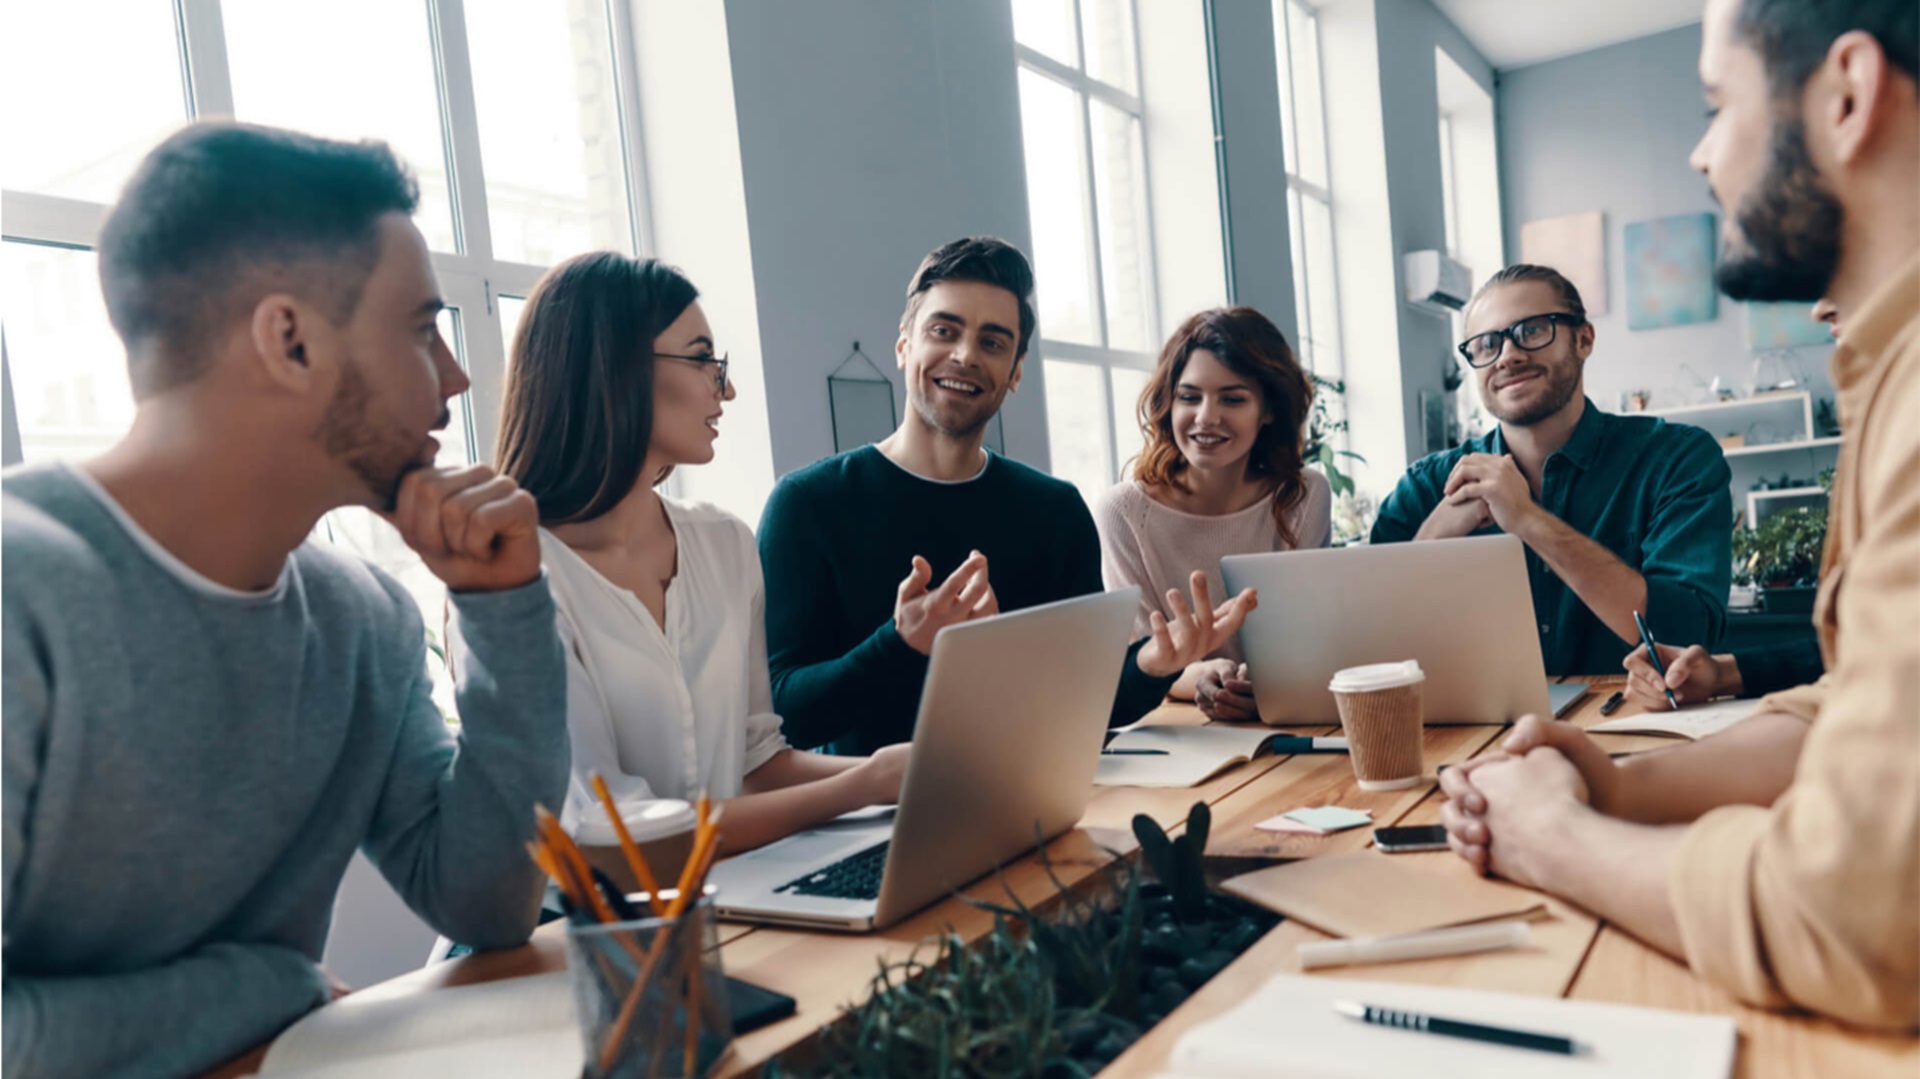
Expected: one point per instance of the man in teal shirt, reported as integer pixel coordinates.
(1619, 513)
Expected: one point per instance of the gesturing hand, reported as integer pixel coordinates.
(1194, 630)
(1495, 480)
(476, 530)
(919, 614)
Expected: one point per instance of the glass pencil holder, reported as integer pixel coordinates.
(650, 993)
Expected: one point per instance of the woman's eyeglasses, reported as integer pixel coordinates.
(1529, 334)
(719, 363)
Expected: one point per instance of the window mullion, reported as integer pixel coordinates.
(1093, 222)
(626, 82)
(203, 39)
(460, 127)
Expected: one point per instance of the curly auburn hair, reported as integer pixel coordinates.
(1251, 346)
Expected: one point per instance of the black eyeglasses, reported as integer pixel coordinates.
(720, 361)
(1530, 334)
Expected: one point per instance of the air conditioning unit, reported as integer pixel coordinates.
(1437, 283)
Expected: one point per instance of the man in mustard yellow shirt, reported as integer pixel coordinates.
(1781, 858)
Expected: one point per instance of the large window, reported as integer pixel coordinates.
(1303, 120)
(514, 114)
(1080, 115)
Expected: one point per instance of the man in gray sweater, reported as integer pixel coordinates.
(205, 715)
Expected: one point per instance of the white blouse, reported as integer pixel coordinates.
(667, 713)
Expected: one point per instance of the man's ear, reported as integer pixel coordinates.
(1583, 340)
(1019, 365)
(278, 332)
(1855, 80)
(900, 348)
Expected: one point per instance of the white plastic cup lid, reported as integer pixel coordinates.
(645, 821)
(1378, 676)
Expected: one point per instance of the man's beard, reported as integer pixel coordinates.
(1788, 242)
(1562, 381)
(955, 428)
(380, 455)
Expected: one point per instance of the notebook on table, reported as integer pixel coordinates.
(1188, 757)
(1289, 1028)
(1369, 894)
(1692, 722)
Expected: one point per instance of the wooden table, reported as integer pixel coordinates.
(1572, 953)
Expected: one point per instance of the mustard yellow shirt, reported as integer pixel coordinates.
(1815, 901)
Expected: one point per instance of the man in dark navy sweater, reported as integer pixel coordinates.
(971, 533)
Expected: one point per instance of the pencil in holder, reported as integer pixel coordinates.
(650, 994)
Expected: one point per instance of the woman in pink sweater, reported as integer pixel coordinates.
(1221, 474)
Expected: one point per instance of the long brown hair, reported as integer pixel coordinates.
(577, 415)
(1251, 346)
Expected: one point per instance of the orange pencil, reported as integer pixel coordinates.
(636, 861)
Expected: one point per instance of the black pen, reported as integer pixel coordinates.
(1133, 753)
(1653, 653)
(1454, 1028)
(1613, 703)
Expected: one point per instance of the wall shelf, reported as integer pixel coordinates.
(1784, 447)
(1762, 503)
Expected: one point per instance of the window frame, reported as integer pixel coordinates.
(470, 277)
(1087, 89)
(1299, 189)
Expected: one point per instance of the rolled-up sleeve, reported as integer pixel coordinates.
(1815, 901)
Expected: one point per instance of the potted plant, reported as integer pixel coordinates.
(1781, 554)
(1052, 995)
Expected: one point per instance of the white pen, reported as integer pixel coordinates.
(1427, 945)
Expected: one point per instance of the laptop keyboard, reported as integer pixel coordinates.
(857, 876)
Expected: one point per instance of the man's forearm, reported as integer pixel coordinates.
(1750, 763)
(1610, 588)
(1618, 871)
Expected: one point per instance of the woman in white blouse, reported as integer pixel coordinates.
(614, 382)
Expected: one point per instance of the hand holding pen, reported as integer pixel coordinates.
(1653, 655)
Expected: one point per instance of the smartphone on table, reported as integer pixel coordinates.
(1404, 840)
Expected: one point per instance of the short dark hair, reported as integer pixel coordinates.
(985, 259)
(221, 214)
(1793, 36)
(577, 416)
(1527, 271)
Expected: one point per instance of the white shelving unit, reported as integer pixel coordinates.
(1762, 503)
(1778, 438)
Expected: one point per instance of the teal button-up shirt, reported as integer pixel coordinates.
(1652, 492)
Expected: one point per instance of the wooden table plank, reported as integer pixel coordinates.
(1772, 1045)
(1313, 779)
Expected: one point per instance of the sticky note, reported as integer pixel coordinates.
(1286, 824)
(1330, 818)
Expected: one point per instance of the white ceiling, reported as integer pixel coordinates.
(1515, 33)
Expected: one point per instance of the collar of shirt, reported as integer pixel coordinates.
(1866, 340)
(1583, 446)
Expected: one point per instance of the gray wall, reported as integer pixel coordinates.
(1610, 130)
(870, 133)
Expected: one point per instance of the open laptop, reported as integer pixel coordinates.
(1012, 718)
(1462, 607)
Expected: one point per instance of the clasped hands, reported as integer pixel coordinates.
(1507, 812)
(1483, 488)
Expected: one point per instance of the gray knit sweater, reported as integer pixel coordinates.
(188, 770)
